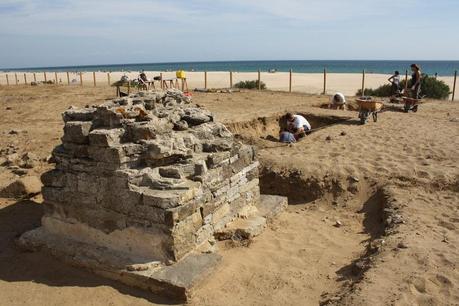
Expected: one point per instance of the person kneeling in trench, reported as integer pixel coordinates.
(297, 128)
(337, 101)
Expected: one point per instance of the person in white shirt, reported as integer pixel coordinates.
(395, 81)
(298, 125)
(337, 101)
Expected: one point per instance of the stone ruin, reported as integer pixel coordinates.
(142, 187)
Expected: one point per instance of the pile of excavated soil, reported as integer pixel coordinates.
(373, 220)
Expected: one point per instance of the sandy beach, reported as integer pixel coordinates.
(342, 172)
(312, 83)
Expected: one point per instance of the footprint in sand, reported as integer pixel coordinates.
(443, 281)
(419, 285)
(447, 225)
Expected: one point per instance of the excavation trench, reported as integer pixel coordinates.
(367, 204)
(267, 128)
(337, 195)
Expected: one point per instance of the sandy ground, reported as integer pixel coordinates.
(313, 83)
(338, 173)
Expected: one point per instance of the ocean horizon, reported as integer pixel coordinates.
(442, 68)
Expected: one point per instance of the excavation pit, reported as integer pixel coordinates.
(267, 128)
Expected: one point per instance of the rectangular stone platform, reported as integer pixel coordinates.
(175, 281)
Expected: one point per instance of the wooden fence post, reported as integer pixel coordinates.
(325, 81)
(290, 81)
(231, 79)
(94, 77)
(363, 83)
(161, 77)
(108, 78)
(16, 78)
(55, 77)
(34, 77)
(259, 79)
(81, 78)
(454, 85)
(25, 79)
(406, 80)
(44, 73)
(7, 80)
(205, 79)
(68, 78)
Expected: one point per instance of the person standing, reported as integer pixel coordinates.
(395, 81)
(416, 81)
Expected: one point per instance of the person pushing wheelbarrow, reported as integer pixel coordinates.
(414, 96)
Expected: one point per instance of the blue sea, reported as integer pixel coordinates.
(442, 68)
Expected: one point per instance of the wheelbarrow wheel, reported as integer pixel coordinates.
(375, 117)
(415, 108)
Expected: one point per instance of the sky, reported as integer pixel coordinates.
(41, 33)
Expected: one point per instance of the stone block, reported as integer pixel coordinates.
(169, 198)
(217, 159)
(53, 178)
(110, 155)
(106, 116)
(184, 235)
(83, 114)
(77, 131)
(105, 137)
(171, 172)
(53, 194)
(75, 150)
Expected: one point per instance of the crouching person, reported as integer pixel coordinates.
(337, 101)
(297, 127)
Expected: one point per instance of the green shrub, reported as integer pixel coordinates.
(430, 88)
(250, 85)
(382, 91)
(434, 89)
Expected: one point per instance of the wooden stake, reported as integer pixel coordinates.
(94, 77)
(290, 81)
(34, 77)
(68, 78)
(205, 79)
(231, 79)
(161, 77)
(363, 83)
(25, 79)
(81, 78)
(454, 85)
(325, 81)
(406, 80)
(16, 78)
(259, 79)
(44, 73)
(55, 77)
(108, 78)
(7, 81)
